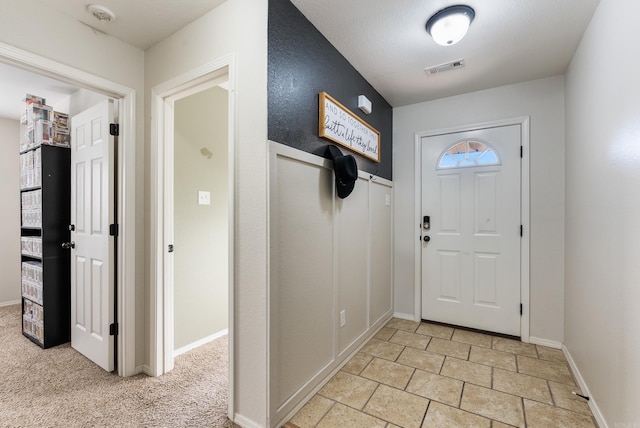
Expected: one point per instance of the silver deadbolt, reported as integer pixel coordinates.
(68, 245)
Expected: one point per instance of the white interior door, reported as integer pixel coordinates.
(92, 213)
(471, 264)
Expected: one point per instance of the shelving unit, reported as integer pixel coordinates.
(45, 208)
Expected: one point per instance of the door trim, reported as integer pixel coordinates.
(126, 177)
(161, 291)
(523, 121)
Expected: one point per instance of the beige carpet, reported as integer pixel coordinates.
(58, 387)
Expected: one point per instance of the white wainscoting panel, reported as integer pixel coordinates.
(302, 290)
(352, 238)
(326, 255)
(380, 246)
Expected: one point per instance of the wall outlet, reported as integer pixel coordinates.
(204, 198)
(343, 317)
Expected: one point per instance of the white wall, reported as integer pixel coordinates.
(238, 27)
(79, 101)
(201, 277)
(602, 290)
(10, 223)
(65, 40)
(541, 100)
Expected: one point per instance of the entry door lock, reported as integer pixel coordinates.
(426, 222)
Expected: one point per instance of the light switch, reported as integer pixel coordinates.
(204, 197)
(387, 200)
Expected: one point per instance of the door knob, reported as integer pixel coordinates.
(427, 238)
(68, 245)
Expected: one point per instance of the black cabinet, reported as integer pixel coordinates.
(46, 276)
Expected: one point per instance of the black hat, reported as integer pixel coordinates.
(346, 171)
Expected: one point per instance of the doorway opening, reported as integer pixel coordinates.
(192, 212)
(200, 218)
(124, 191)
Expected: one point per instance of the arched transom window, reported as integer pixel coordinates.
(466, 154)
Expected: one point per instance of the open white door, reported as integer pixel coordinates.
(92, 213)
(471, 229)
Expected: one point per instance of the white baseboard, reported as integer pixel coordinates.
(200, 342)
(10, 303)
(245, 422)
(597, 414)
(545, 342)
(402, 316)
(144, 369)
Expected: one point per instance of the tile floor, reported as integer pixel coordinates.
(427, 375)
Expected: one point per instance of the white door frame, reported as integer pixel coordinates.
(161, 294)
(524, 205)
(126, 197)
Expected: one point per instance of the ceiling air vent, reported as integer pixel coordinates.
(459, 63)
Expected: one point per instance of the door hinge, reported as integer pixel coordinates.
(113, 229)
(521, 151)
(114, 129)
(521, 231)
(520, 309)
(113, 329)
(170, 248)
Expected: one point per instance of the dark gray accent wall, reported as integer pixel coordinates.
(302, 63)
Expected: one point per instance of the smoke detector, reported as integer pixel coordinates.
(101, 13)
(459, 63)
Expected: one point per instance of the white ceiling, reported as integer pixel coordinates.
(141, 23)
(509, 41)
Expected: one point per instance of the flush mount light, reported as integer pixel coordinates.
(449, 25)
(101, 13)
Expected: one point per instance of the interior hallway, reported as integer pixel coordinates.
(415, 374)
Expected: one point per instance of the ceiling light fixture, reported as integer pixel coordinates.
(449, 25)
(101, 13)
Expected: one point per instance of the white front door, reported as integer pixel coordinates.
(92, 213)
(471, 262)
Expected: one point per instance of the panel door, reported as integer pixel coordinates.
(92, 262)
(471, 264)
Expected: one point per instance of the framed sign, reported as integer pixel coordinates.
(340, 125)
